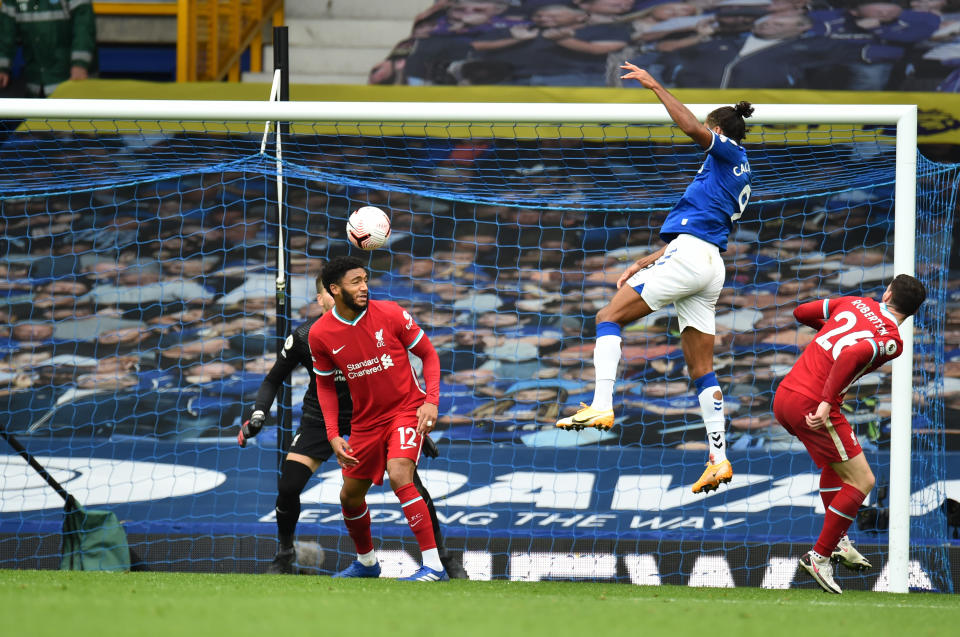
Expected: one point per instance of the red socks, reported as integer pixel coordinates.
(841, 512)
(830, 484)
(358, 526)
(418, 516)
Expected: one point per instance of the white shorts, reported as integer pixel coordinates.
(690, 275)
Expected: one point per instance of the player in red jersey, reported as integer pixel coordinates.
(854, 337)
(368, 341)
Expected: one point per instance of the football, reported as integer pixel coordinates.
(368, 228)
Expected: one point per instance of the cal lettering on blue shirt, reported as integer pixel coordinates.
(715, 198)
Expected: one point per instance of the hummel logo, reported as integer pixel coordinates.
(716, 438)
(338, 349)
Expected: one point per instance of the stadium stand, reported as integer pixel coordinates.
(338, 42)
(858, 45)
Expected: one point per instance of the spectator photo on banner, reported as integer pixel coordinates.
(860, 45)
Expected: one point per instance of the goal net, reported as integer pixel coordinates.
(140, 315)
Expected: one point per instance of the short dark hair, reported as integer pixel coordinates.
(319, 280)
(337, 267)
(730, 120)
(908, 293)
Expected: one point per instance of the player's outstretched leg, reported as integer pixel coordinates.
(713, 476)
(588, 416)
(848, 556)
(718, 471)
(606, 357)
(820, 568)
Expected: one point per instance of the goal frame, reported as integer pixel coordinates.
(904, 117)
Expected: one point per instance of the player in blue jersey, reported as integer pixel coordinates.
(688, 272)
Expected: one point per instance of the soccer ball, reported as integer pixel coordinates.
(368, 228)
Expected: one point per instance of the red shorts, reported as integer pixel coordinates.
(397, 438)
(834, 442)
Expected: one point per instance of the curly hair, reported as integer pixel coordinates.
(730, 120)
(336, 267)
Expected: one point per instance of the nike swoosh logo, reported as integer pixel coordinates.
(338, 349)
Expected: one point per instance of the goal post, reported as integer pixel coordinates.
(901, 117)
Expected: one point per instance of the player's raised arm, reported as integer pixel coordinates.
(687, 272)
(813, 313)
(816, 313)
(686, 120)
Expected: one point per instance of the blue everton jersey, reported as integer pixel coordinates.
(715, 198)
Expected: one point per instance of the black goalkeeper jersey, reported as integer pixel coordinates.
(296, 351)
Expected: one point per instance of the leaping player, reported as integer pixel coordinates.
(688, 272)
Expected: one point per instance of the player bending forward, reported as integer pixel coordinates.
(368, 342)
(310, 446)
(687, 272)
(854, 337)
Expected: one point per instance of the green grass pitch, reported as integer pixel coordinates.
(76, 604)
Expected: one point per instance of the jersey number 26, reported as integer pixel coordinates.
(848, 320)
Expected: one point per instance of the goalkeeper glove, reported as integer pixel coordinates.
(430, 449)
(251, 427)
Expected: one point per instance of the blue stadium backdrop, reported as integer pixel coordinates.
(138, 313)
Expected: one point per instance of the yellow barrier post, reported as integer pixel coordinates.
(233, 20)
(183, 40)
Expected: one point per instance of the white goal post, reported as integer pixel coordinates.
(903, 116)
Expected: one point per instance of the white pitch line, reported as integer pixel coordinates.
(815, 601)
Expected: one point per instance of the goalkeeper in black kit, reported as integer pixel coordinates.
(310, 446)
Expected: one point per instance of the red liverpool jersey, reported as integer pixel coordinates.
(855, 336)
(371, 351)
